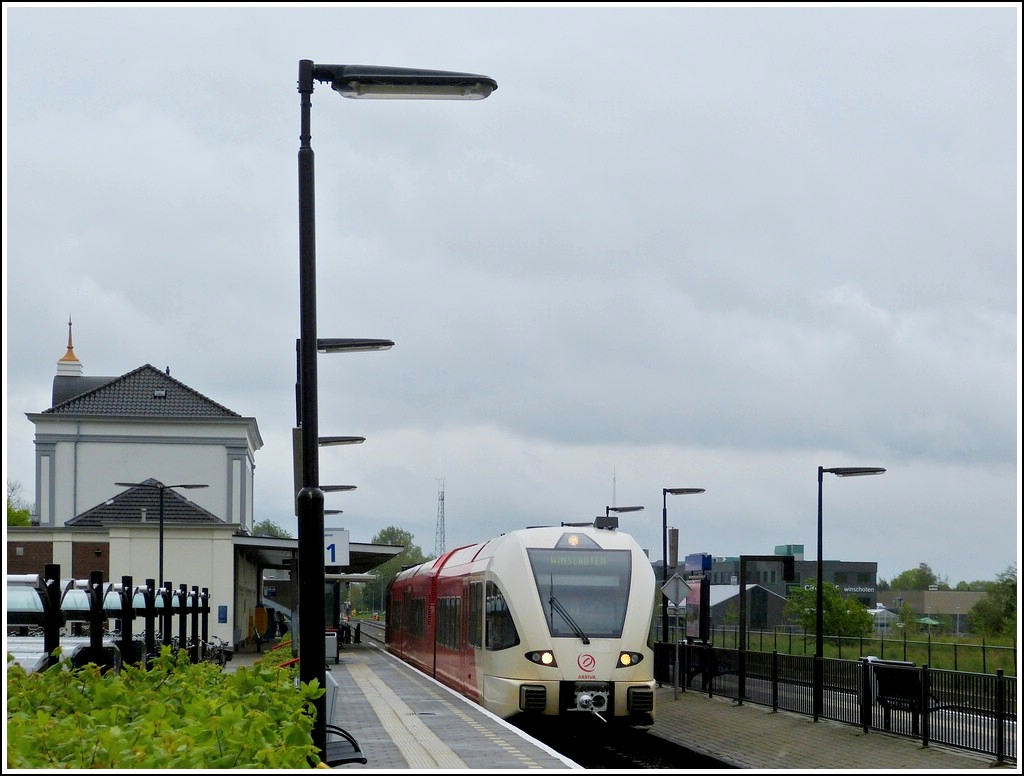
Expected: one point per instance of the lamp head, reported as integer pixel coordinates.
(854, 471)
(681, 491)
(348, 344)
(400, 83)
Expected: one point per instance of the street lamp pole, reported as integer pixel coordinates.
(356, 81)
(665, 493)
(159, 486)
(819, 607)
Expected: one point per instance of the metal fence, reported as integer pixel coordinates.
(38, 606)
(971, 711)
(958, 654)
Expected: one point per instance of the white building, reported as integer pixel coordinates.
(154, 432)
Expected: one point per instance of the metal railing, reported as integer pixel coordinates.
(957, 654)
(971, 711)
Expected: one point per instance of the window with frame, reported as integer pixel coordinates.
(500, 629)
(449, 611)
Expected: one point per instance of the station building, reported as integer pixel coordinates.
(140, 467)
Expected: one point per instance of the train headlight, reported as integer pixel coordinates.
(544, 657)
(628, 659)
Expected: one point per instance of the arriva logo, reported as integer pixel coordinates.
(586, 662)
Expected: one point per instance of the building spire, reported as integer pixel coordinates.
(69, 363)
(70, 355)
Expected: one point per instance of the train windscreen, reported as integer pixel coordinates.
(584, 591)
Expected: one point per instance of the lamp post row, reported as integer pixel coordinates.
(360, 81)
(839, 471)
(354, 81)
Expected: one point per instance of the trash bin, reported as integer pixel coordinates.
(331, 646)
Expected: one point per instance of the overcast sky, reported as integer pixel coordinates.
(679, 246)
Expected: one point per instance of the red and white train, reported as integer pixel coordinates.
(552, 621)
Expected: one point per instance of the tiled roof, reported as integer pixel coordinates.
(126, 508)
(69, 386)
(145, 392)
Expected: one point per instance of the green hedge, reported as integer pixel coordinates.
(173, 715)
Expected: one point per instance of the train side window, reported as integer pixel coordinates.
(476, 614)
(501, 631)
(417, 610)
(448, 615)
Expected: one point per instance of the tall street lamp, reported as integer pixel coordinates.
(819, 627)
(665, 493)
(357, 81)
(159, 486)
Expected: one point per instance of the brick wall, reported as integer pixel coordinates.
(87, 557)
(28, 557)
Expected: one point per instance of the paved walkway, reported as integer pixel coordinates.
(753, 736)
(403, 719)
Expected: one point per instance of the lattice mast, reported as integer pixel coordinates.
(439, 531)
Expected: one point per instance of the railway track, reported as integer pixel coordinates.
(372, 631)
(616, 747)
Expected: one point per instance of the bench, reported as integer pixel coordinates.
(342, 748)
(717, 667)
(898, 688)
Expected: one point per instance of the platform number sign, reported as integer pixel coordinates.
(336, 550)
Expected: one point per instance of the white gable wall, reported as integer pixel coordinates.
(78, 462)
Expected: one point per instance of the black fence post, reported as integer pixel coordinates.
(54, 618)
(127, 596)
(193, 608)
(167, 616)
(709, 655)
(775, 680)
(865, 694)
(685, 669)
(204, 611)
(926, 695)
(181, 610)
(1000, 716)
(96, 617)
(149, 596)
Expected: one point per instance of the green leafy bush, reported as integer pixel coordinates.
(173, 715)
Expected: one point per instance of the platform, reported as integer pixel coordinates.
(403, 719)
